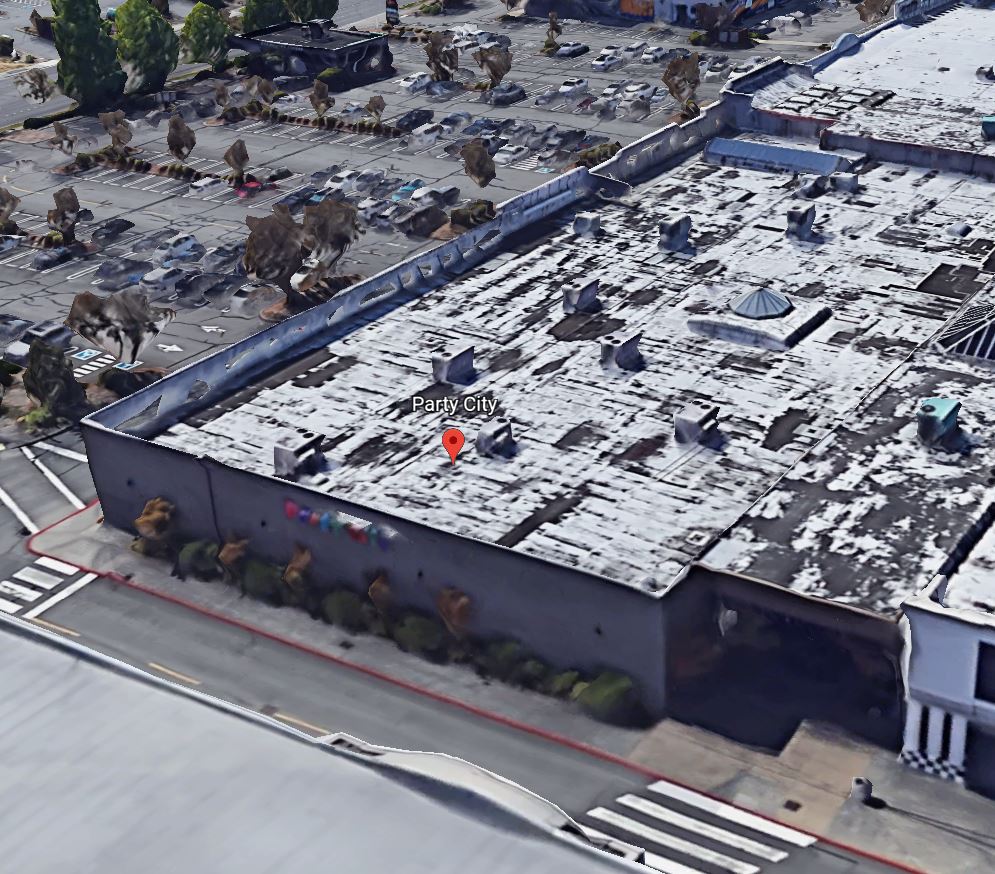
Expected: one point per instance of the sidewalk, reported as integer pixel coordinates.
(927, 823)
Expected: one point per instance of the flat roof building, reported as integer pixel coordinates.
(732, 391)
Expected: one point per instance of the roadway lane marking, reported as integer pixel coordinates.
(61, 596)
(53, 564)
(60, 486)
(19, 514)
(59, 628)
(300, 723)
(733, 814)
(9, 606)
(37, 578)
(58, 450)
(667, 866)
(16, 591)
(176, 675)
(679, 845)
(704, 829)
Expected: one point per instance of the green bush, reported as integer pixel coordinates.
(611, 697)
(562, 684)
(502, 658)
(329, 75)
(531, 673)
(262, 580)
(345, 609)
(426, 637)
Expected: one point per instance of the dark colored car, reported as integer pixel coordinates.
(483, 126)
(110, 230)
(572, 50)
(493, 144)
(223, 257)
(443, 89)
(52, 258)
(296, 199)
(280, 173)
(416, 118)
(121, 273)
(320, 177)
(505, 94)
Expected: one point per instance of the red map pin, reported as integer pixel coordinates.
(453, 441)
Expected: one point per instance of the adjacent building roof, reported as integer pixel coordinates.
(108, 769)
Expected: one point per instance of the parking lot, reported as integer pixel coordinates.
(527, 139)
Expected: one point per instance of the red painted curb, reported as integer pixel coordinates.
(508, 722)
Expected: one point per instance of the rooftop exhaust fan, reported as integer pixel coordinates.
(761, 303)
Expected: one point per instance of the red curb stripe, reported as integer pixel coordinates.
(431, 694)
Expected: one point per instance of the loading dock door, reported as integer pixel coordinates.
(979, 772)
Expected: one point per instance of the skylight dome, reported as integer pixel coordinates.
(761, 303)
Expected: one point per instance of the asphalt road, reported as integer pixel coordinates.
(320, 696)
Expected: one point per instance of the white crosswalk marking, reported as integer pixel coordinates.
(40, 586)
(734, 814)
(685, 832)
(663, 839)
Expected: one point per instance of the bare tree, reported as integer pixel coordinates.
(330, 228)
(319, 98)
(34, 85)
(111, 119)
(237, 157)
(273, 250)
(262, 89)
(376, 106)
(121, 135)
(478, 163)
(873, 10)
(62, 139)
(221, 95)
(495, 62)
(180, 139)
(65, 215)
(682, 77)
(553, 30)
(123, 324)
(8, 204)
(443, 59)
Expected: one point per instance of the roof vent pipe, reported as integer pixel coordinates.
(936, 420)
(582, 297)
(452, 367)
(623, 354)
(695, 423)
(495, 440)
(587, 224)
(674, 233)
(296, 456)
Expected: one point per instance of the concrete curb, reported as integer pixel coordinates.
(507, 722)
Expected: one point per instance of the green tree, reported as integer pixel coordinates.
(147, 46)
(204, 36)
(89, 71)
(308, 10)
(257, 14)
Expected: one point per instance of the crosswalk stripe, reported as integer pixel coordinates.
(9, 606)
(667, 866)
(71, 589)
(733, 814)
(23, 593)
(704, 829)
(53, 564)
(37, 577)
(663, 839)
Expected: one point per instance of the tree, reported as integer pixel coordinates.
(181, 139)
(147, 46)
(257, 14)
(89, 71)
(308, 10)
(204, 37)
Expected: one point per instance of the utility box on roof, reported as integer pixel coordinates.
(988, 127)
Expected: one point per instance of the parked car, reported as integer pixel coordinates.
(446, 196)
(493, 143)
(508, 154)
(482, 126)
(296, 199)
(367, 180)
(654, 54)
(590, 141)
(572, 50)
(573, 87)
(634, 50)
(505, 94)
(485, 38)
(162, 281)
(519, 132)
(353, 111)
(607, 63)
(424, 136)
(248, 189)
(394, 214)
(223, 257)
(639, 91)
(420, 222)
(320, 177)
(118, 273)
(207, 185)
(279, 174)
(454, 121)
(547, 97)
(465, 43)
(406, 190)
(51, 332)
(615, 89)
(370, 208)
(179, 247)
(50, 258)
(415, 118)
(287, 99)
(453, 149)
(341, 182)
(444, 89)
(110, 230)
(414, 82)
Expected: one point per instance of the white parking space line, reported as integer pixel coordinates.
(71, 589)
(59, 485)
(9, 606)
(19, 514)
(53, 564)
(37, 578)
(22, 593)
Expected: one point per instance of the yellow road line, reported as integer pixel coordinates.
(300, 723)
(183, 678)
(60, 628)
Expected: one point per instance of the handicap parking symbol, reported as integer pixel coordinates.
(86, 354)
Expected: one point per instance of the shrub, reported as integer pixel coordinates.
(611, 697)
(502, 658)
(426, 637)
(562, 684)
(531, 673)
(345, 609)
(261, 580)
(329, 75)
